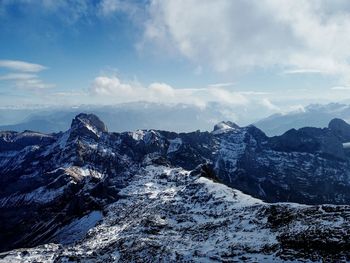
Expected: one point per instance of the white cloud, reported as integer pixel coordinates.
(269, 105)
(113, 89)
(224, 84)
(109, 7)
(22, 75)
(303, 71)
(17, 76)
(120, 91)
(251, 92)
(104, 85)
(162, 90)
(236, 105)
(21, 66)
(34, 84)
(298, 36)
(296, 108)
(340, 88)
(228, 97)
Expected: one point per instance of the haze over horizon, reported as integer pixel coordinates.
(252, 56)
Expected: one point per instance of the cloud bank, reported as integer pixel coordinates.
(233, 103)
(121, 91)
(296, 36)
(241, 106)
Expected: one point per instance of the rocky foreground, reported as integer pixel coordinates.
(170, 215)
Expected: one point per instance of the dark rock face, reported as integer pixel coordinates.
(87, 125)
(310, 140)
(306, 166)
(341, 129)
(306, 235)
(88, 121)
(52, 180)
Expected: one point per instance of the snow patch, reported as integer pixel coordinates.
(77, 229)
(138, 135)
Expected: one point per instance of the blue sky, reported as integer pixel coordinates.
(279, 55)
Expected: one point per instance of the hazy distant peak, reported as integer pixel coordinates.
(337, 122)
(315, 115)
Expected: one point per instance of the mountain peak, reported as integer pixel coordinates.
(341, 128)
(224, 126)
(88, 123)
(337, 123)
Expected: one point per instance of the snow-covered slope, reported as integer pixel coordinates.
(171, 215)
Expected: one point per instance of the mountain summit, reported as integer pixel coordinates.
(89, 121)
(87, 125)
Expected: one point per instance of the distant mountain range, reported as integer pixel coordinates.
(90, 195)
(177, 117)
(314, 115)
(121, 117)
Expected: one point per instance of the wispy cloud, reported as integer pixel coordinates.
(34, 84)
(22, 75)
(340, 88)
(17, 76)
(268, 104)
(68, 12)
(251, 92)
(21, 66)
(303, 71)
(109, 7)
(220, 85)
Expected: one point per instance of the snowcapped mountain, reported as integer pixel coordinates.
(156, 196)
(314, 115)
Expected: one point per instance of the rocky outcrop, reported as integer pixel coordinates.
(54, 180)
(168, 214)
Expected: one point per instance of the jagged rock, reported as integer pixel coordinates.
(53, 181)
(168, 214)
(88, 125)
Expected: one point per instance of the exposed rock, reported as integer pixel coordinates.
(170, 215)
(53, 181)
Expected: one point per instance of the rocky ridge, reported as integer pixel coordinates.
(66, 183)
